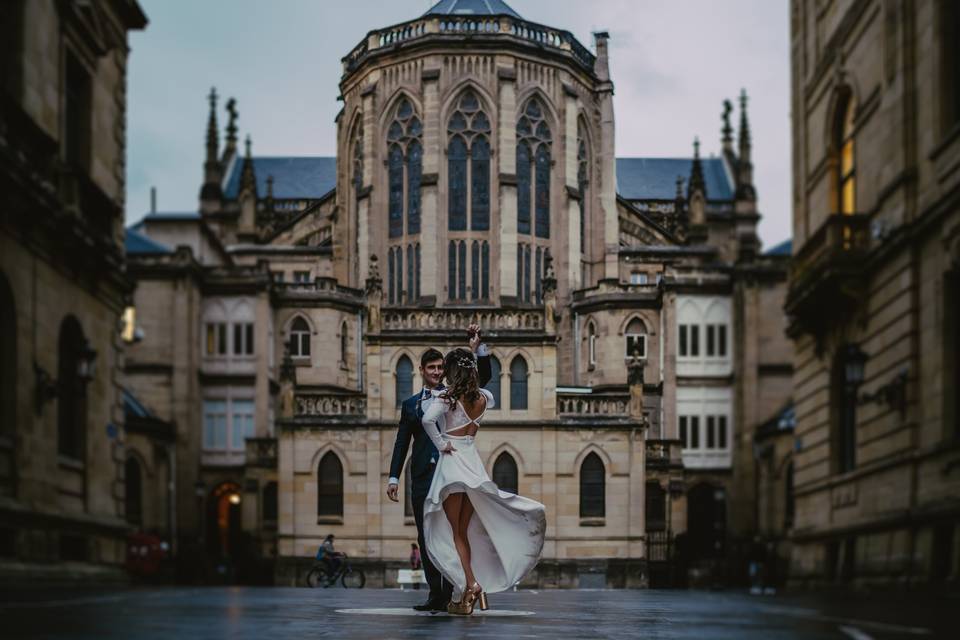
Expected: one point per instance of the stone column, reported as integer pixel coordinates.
(570, 260)
(431, 228)
(607, 175)
(366, 216)
(507, 169)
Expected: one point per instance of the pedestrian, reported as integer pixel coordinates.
(415, 563)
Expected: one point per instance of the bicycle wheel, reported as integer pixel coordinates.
(317, 577)
(353, 579)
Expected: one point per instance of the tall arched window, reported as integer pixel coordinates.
(344, 343)
(518, 383)
(269, 511)
(846, 161)
(71, 394)
(636, 339)
(330, 486)
(133, 481)
(494, 385)
(592, 487)
(505, 473)
(583, 182)
(404, 175)
(468, 200)
(404, 379)
(533, 197)
(299, 338)
(591, 345)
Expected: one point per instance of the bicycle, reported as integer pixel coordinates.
(320, 574)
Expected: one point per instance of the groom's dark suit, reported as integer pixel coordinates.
(423, 461)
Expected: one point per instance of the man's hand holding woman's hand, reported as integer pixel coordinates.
(448, 448)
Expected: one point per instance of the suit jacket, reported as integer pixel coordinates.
(424, 452)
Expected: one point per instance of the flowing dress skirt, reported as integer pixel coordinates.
(506, 531)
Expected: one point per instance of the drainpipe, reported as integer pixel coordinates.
(576, 349)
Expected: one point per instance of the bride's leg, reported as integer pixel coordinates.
(466, 512)
(451, 507)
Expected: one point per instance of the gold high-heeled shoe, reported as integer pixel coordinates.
(459, 608)
(478, 594)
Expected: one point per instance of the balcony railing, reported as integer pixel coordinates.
(506, 27)
(460, 319)
(328, 404)
(587, 405)
(826, 271)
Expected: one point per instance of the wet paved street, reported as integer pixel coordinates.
(267, 613)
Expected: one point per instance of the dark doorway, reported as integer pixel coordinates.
(223, 522)
(706, 521)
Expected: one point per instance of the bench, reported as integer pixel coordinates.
(410, 576)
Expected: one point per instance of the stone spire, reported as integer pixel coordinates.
(210, 192)
(601, 65)
(745, 188)
(231, 147)
(726, 138)
(248, 180)
(697, 183)
(679, 220)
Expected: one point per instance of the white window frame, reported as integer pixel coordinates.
(702, 406)
(230, 421)
(296, 337)
(638, 277)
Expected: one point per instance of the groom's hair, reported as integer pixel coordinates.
(430, 355)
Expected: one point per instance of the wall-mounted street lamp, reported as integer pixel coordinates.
(46, 388)
(854, 362)
(86, 362)
(893, 394)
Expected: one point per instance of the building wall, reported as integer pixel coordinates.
(890, 516)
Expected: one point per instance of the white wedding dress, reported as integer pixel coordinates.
(506, 531)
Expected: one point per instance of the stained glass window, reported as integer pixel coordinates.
(475, 270)
(494, 385)
(391, 294)
(518, 383)
(395, 177)
(457, 165)
(414, 173)
(538, 277)
(416, 288)
(462, 270)
(398, 256)
(411, 287)
(533, 184)
(582, 182)
(404, 381)
(485, 271)
(480, 183)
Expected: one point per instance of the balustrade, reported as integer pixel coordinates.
(329, 404)
(454, 319)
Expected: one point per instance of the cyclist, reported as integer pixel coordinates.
(331, 558)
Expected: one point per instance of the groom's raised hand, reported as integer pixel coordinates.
(473, 336)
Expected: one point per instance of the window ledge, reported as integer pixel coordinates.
(409, 520)
(593, 522)
(329, 519)
(70, 463)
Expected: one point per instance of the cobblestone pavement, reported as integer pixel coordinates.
(267, 613)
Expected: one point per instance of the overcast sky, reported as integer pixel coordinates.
(673, 62)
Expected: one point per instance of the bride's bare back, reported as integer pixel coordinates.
(473, 411)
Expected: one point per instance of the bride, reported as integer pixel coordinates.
(496, 549)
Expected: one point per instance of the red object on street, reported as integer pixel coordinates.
(145, 552)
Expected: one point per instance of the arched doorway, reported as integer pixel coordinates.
(706, 521)
(223, 521)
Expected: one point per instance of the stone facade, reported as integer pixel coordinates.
(876, 224)
(475, 181)
(62, 289)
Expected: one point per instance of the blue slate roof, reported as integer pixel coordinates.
(472, 7)
(656, 178)
(785, 248)
(294, 177)
(138, 244)
(172, 215)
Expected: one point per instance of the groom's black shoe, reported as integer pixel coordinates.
(432, 606)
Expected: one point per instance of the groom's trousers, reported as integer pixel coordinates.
(439, 588)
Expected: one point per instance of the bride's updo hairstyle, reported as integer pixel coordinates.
(463, 379)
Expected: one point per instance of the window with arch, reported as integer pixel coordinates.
(133, 494)
(8, 361)
(846, 162)
(344, 343)
(299, 338)
(269, 510)
(505, 473)
(404, 175)
(468, 200)
(71, 392)
(404, 381)
(592, 487)
(330, 486)
(518, 383)
(583, 182)
(636, 339)
(533, 198)
(494, 385)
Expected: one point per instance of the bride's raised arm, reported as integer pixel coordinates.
(434, 423)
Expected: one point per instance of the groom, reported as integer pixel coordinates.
(425, 455)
